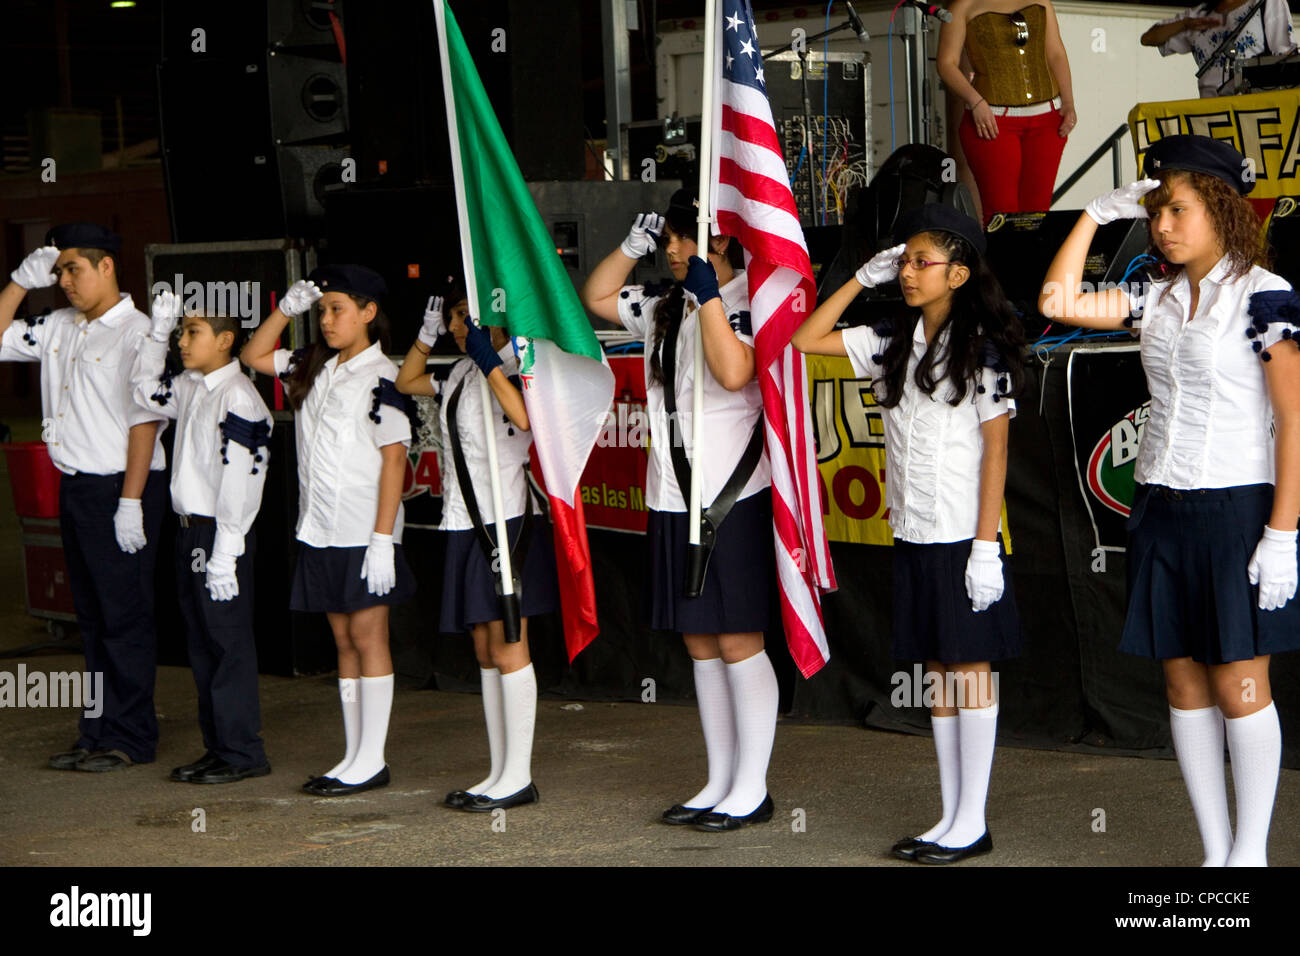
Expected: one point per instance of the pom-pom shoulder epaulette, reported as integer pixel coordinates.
(386, 393)
(298, 356)
(1273, 315)
(253, 435)
(34, 320)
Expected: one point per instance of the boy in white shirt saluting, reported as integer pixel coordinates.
(218, 470)
(111, 494)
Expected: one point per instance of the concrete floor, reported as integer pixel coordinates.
(605, 772)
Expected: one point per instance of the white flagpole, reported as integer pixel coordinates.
(471, 291)
(702, 240)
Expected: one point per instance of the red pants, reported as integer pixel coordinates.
(1016, 170)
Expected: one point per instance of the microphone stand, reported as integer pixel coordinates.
(1230, 58)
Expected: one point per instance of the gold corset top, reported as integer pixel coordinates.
(1007, 74)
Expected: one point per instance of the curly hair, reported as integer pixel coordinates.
(1236, 226)
(980, 320)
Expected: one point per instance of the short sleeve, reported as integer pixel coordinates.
(865, 347)
(1274, 317)
(991, 394)
(1277, 27)
(1179, 42)
(1136, 292)
(24, 340)
(740, 324)
(636, 307)
(393, 415)
(285, 361)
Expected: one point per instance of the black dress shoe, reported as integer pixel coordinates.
(725, 821)
(69, 759)
(101, 761)
(484, 804)
(224, 772)
(944, 854)
(907, 849)
(330, 787)
(458, 798)
(678, 815)
(205, 762)
(314, 782)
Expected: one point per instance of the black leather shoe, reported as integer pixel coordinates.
(458, 798)
(223, 772)
(944, 854)
(329, 787)
(725, 821)
(207, 761)
(908, 848)
(314, 782)
(678, 815)
(101, 761)
(69, 759)
(485, 804)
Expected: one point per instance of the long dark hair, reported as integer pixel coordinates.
(983, 329)
(300, 380)
(668, 312)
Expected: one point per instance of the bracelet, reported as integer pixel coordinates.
(977, 103)
(418, 343)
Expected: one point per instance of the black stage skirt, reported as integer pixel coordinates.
(329, 580)
(933, 620)
(1189, 593)
(740, 578)
(469, 585)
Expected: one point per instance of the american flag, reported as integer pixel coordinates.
(752, 201)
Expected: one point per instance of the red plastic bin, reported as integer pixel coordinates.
(34, 478)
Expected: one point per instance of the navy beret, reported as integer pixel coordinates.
(353, 279)
(84, 235)
(1198, 154)
(936, 217)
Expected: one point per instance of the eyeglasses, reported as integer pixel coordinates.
(918, 264)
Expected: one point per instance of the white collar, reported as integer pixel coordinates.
(114, 316)
(358, 361)
(215, 378)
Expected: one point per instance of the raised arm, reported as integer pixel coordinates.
(413, 376)
(817, 335)
(259, 353)
(35, 272)
(600, 291)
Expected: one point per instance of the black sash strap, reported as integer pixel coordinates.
(711, 518)
(519, 549)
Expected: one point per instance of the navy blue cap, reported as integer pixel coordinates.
(1198, 154)
(936, 217)
(84, 235)
(353, 279)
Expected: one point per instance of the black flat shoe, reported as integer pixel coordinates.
(725, 821)
(223, 772)
(678, 815)
(907, 849)
(69, 759)
(314, 782)
(329, 787)
(102, 761)
(206, 762)
(485, 804)
(458, 798)
(944, 854)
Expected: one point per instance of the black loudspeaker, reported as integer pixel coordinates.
(1284, 239)
(254, 123)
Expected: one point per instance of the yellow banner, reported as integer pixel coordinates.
(851, 454)
(1262, 126)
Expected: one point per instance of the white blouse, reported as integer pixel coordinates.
(1268, 33)
(729, 417)
(338, 445)
(933, 450)
(1211, 417)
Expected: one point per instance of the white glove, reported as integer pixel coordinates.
(644, 235)
(37, 270)
(983, 574)
(299, 298)
(378, 568)
(882, 267)
(434, 324)
(166, 310)
(221, 581)
(1273, 568)
(1123, 203)
(128, 525)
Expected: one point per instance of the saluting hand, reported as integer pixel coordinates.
(881, 268)
(1122, 203)
(166, 311)
(644, 236)
(434, 324)
(37, 270)
(299, 298)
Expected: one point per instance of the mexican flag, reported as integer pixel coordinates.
(515, 274)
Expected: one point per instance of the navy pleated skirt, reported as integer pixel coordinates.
(469, 585)
(1189, 593)
(329, 580)
(933, 619)
(738, 585)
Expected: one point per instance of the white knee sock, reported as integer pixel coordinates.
(713, 694)
(495, 716)
(376, 705)
(947, 747)
(754, 700)
(977, 732)
(350, 697)
(1198, 742)
(519, 703)
(1255, 745)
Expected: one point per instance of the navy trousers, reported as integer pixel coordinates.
(113, 595)
(219, 636)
